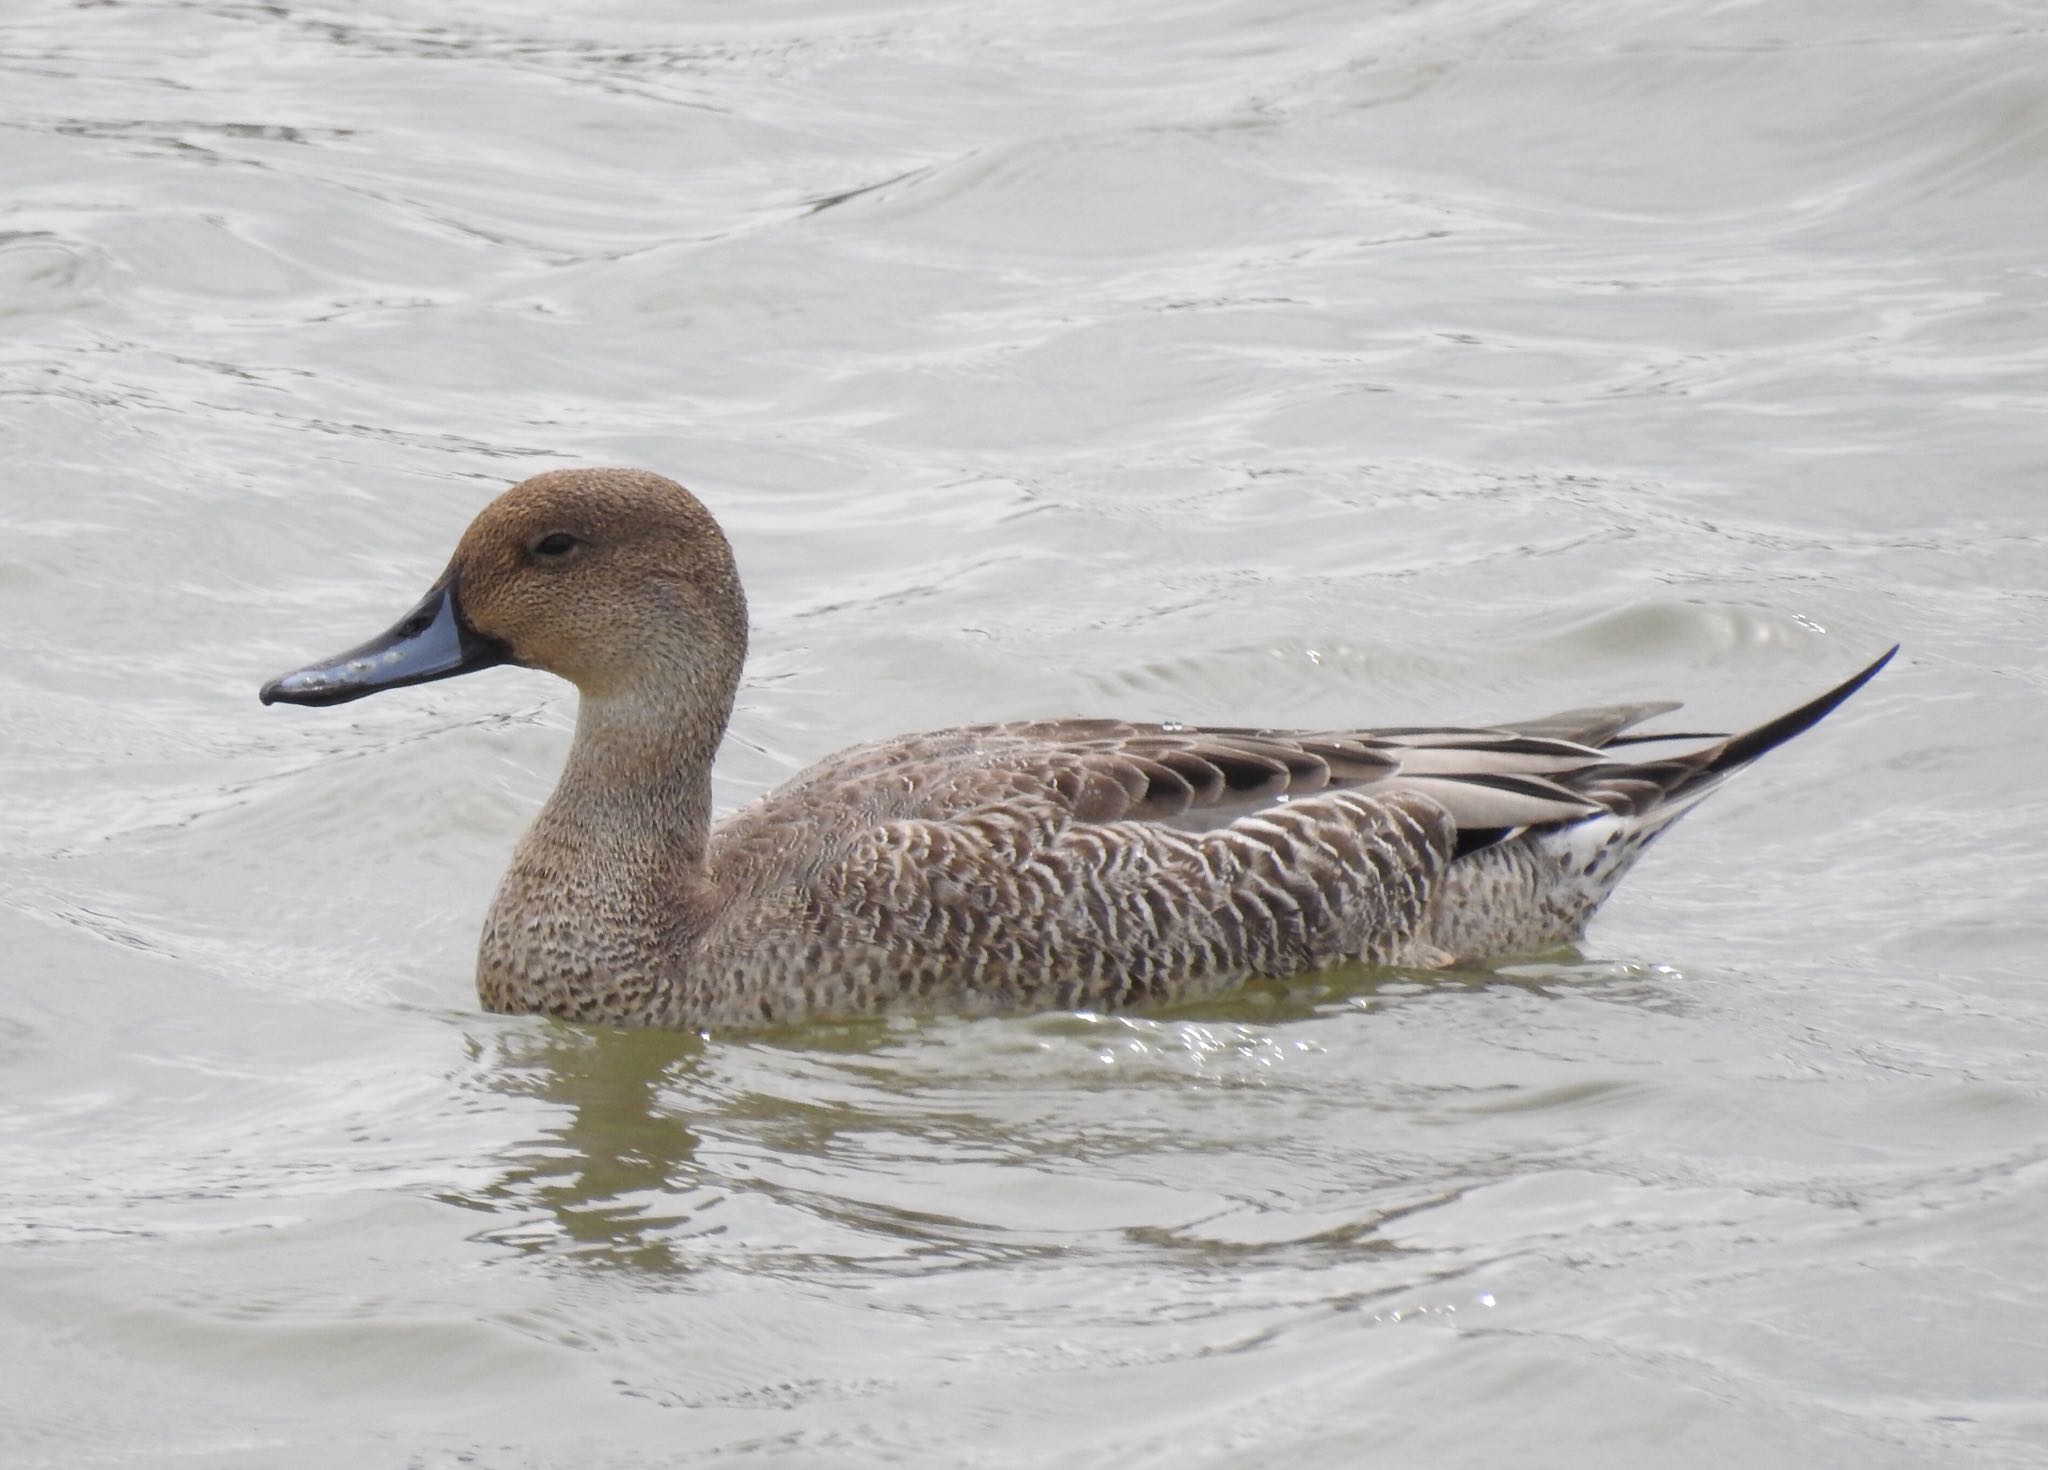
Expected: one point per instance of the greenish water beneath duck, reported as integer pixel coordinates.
(1241, 362)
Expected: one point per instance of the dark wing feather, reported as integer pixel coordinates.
(1595, 725)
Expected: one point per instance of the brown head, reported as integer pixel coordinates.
(618, 580)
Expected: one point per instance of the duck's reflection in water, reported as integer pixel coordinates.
(614, 1178)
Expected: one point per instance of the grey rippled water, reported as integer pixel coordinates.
(1247, 360)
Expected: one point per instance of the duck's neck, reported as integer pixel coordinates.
(608, 888)
(635, 795)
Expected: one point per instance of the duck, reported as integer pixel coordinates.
(1045, 865)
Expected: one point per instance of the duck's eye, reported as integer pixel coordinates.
(554, 544)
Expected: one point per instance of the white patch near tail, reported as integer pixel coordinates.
(1587, 858)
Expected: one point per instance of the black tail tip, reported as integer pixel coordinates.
(1747, 746)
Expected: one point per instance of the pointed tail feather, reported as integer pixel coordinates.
(1746, 747)
(1524, 887)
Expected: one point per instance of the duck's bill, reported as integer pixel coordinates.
(430, 642)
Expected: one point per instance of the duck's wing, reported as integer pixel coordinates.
(1491, 781)
(1199, 779)
(1121, 774)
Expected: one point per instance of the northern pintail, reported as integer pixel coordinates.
(1045, 865)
